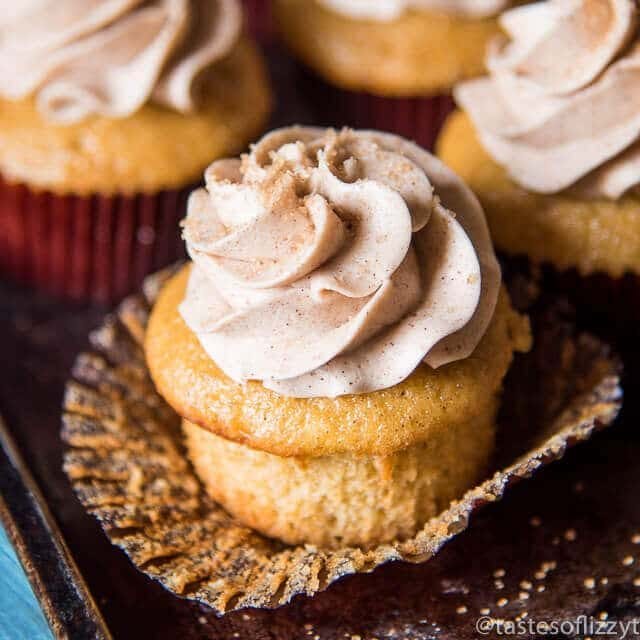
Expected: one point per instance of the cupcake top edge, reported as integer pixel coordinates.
(387, 10)
(559, 107)
(110, 58)
(329, 263)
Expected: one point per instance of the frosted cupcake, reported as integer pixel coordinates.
(338, 346)
(394, 62)
(108, 113)
(550, 140)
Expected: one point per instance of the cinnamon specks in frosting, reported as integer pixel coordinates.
(559, 108)
(328, 263)
(111, 57)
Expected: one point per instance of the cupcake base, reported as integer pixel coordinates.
(419, 53)
(87, 249)
(344, 499)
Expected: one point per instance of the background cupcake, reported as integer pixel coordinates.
(552, 148)
(108, 114)
(393, 61)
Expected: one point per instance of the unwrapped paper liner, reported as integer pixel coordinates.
(127, 465)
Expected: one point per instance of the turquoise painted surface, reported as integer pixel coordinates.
(20, 615)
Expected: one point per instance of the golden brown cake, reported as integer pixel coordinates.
(387, 65)
(415, 53)
(343, 499)
(552, 152)
(337, 349)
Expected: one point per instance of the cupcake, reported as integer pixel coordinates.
(337, 347)
(393, 62)
(550, 140)
(109, 113)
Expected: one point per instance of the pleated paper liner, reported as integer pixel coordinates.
(87, 249)
(126, 462)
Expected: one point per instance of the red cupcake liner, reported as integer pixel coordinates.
(418, 119)
(259, 19)
(87, 249)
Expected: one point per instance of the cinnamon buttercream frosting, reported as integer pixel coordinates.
(110, 57)
(560, 106)
(329, 263)
(386, 10)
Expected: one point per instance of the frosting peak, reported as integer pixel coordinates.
(384, 10)
(109, 57)
(327, 263)
(560, 105)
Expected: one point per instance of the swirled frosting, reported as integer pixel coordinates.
(386, 10)
(109, 57)
(560, 107)
(328, 263)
